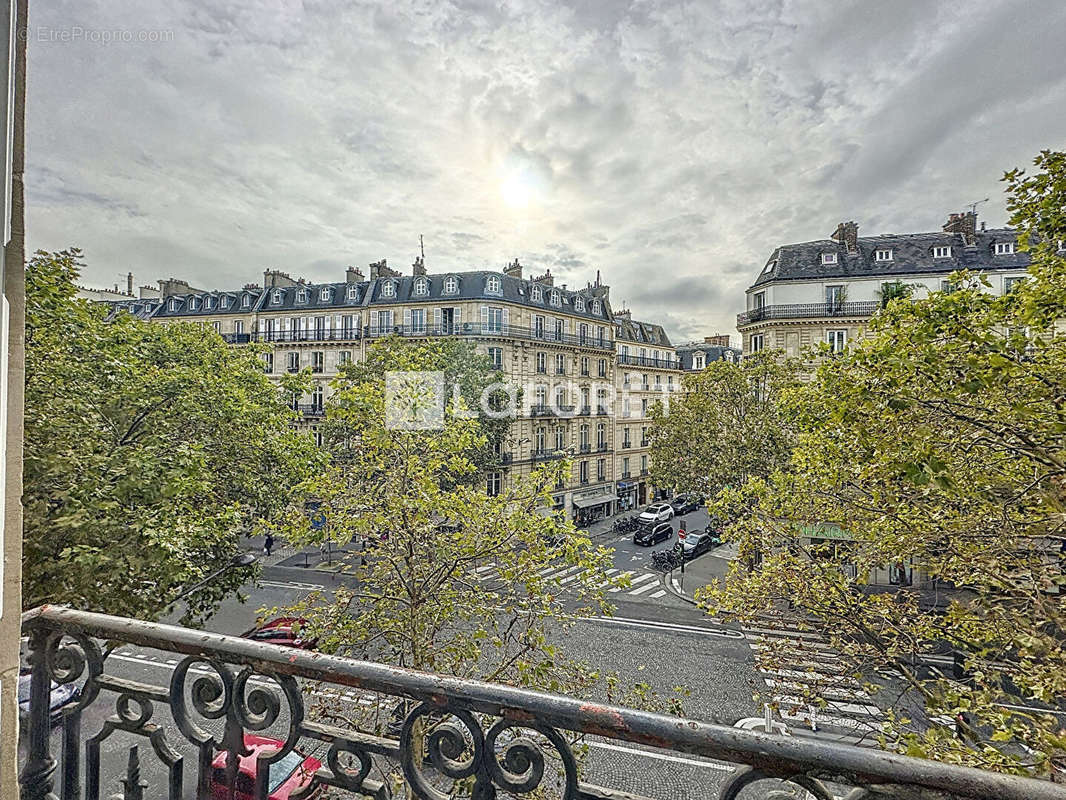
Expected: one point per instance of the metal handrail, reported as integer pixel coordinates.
(802, 760)
(807, 310)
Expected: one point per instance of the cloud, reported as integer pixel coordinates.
(670, 145)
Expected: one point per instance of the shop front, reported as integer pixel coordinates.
(627, 495)
(592, 505)
(833, 543)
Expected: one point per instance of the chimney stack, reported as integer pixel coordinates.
(129, 284)
(514, 269)
(276, 278)
(546, 279)
(964, 224)
(380, 269)
(419, 267)
(625, 313)
(719, 340)
(847, 233)
(353, 275)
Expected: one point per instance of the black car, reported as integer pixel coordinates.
(699, 542)
(60, 695)
(653, 533)
(684, 503)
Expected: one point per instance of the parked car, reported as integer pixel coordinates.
(656, 512)
(699, 542)
(60, 696)
(286, 777)
(653, 533)
(282, 630)
(684, 503)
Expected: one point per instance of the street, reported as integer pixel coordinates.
(654, 637)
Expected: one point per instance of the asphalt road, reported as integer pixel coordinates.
(653, 638)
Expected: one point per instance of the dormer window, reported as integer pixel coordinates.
(829, 258)
(942, 252)
(193, 304)
(556, 298)
(1004, 248)
(301, 296)
(883, 254)
(492, 285)
(224, 301)
(388, 289)
(353, 292)
(597, 308)
(246, 301)
(208, 302)
(451, 285)
(275, 298)
(173, 305)
(536, 293)
(579, 304)
(421, 286)
(769, 267)
(323, 295)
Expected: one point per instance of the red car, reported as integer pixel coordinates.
(287, 776)
(283, 631)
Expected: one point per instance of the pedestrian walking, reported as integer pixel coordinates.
(268, 543)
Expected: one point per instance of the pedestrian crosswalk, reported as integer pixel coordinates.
(800, 665)
(642, 585)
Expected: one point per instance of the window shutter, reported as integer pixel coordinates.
(506, 318)
(407, 319)
(457, 316)
(437, 319)
(484, 318)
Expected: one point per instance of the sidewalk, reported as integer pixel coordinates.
(699, 572)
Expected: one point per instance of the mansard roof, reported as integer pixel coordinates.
(912, 254)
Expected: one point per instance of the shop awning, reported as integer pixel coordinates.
(589, 502)
(624, 485)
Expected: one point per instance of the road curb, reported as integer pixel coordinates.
(668, 582)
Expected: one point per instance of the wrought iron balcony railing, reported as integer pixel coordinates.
(452, 734)
(647, 361)
(808, 310)
(490, 330)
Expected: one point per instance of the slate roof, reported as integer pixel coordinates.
(629, 330)
(471, 286)
(713, 352)
(912, 254)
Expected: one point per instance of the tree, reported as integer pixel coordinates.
(937, 444)
(725, 427)
(453, 579)
(149, 450)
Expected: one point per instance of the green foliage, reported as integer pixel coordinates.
(149, 449)
(938, 442)
(725, 427)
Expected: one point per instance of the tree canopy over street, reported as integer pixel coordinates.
(937, 443)
(149, 450)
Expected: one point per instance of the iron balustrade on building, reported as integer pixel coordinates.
(312, 410)
(808, 310)
(341, 335)
(601, 411)
(585, 411)
(496, 738)
(586, 448)
(649, 361)
(493, 330)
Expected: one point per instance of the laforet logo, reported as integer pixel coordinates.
(414, 400)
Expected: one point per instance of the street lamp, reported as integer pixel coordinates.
(240, 560)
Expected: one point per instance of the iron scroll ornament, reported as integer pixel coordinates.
(461, 751)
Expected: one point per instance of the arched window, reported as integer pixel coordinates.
(246, 301)
(421, 286)
(224, 301)
(173, 305)
(579, 304)
(301, 296)
(324, 294)
(353, 292)
(492, 285)
(193, 304)
(388, 289)
(276, 298)
(556, 298)
(451, 285)
(536, 293)
(597, 308)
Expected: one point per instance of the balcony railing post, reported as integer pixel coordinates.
(37, 776)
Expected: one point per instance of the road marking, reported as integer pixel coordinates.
(661, 756)
(664, 627)
(646, 576)
(646, 587)
(659, 593)
(307, 587)
(832, 706)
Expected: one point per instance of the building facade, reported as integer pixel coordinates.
(695, 356)
(827, 290)
(563, 347)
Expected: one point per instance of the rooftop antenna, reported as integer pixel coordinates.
(973, 205)
(422, 247)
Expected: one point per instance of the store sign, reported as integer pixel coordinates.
(825, 530)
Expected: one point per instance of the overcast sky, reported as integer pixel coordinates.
(670, 145)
